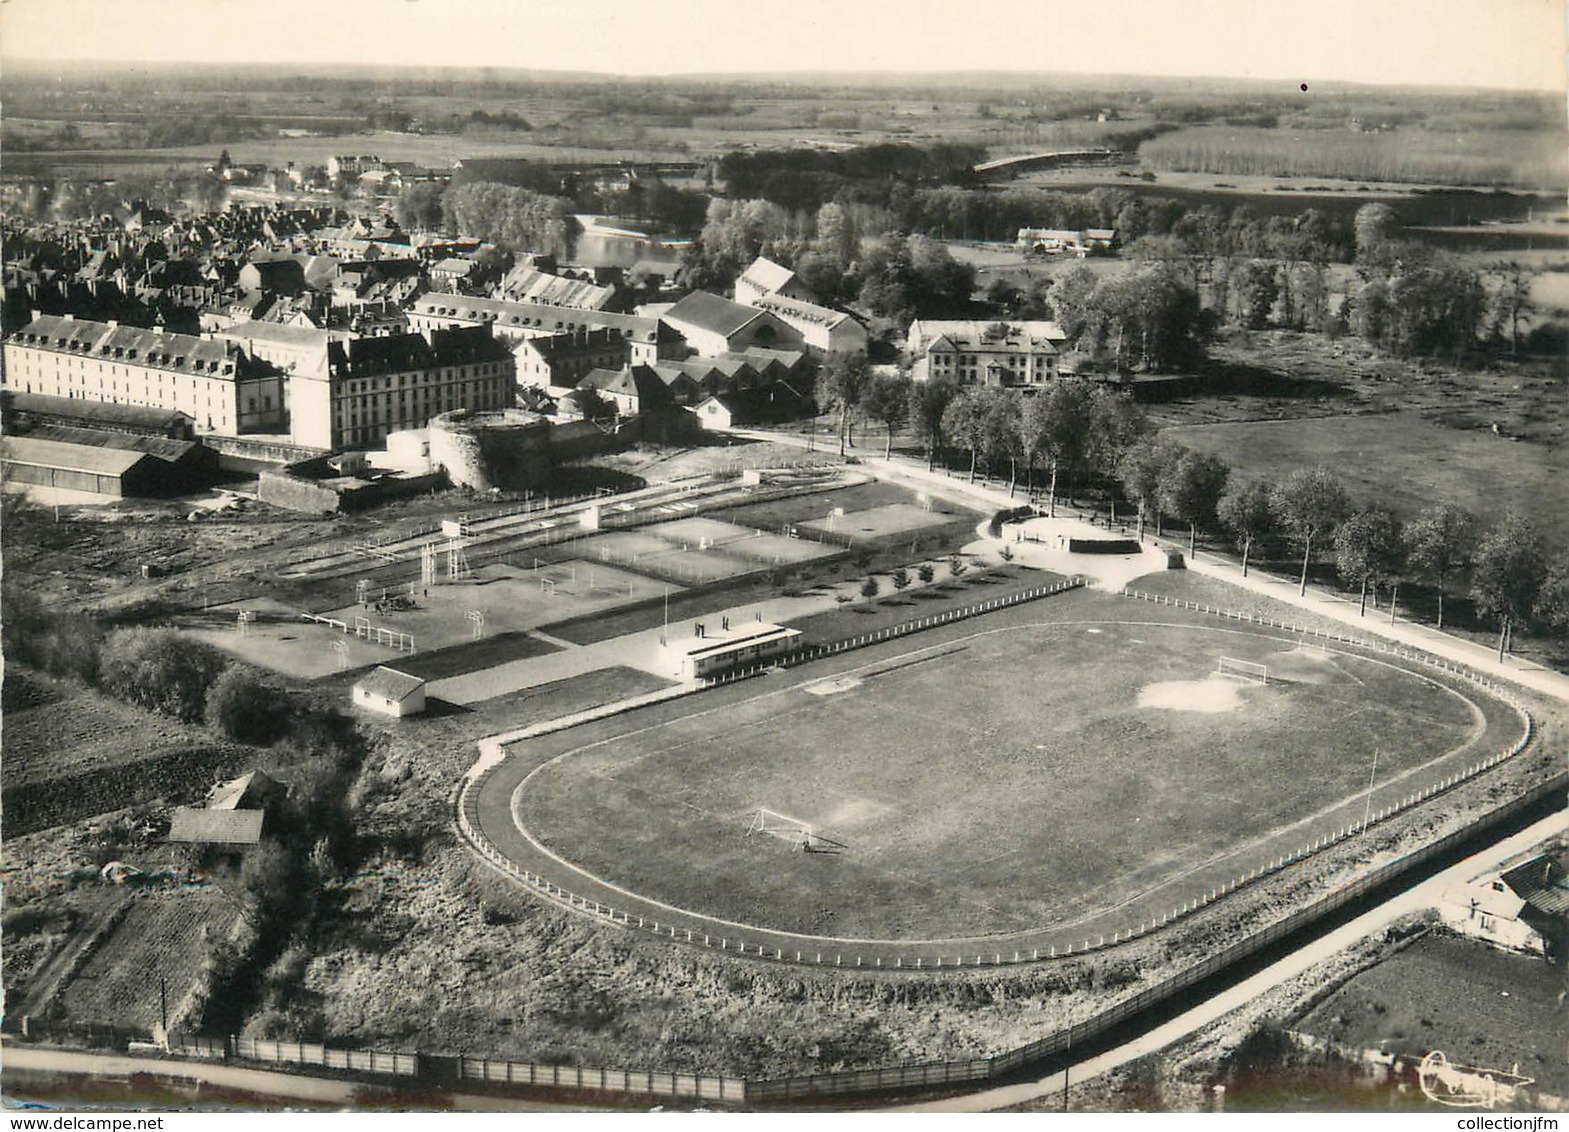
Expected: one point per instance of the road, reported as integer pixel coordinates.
(1423, 895)
(285, 1088)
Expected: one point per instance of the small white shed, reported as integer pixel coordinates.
(390, 692)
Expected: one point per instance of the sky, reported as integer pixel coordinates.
(1492, 43)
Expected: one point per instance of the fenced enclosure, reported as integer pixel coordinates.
(715, 771)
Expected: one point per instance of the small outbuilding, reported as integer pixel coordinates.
(390, 692)
(715, 413)
(708, 653)
(1523, 908)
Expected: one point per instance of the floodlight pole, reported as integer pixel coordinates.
(1367, 812)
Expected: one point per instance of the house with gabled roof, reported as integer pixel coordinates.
(765, 277)
(633, 390)
(713, 325)
(822, 329)
(390, 692)
(1524, 907)
(1016, 353)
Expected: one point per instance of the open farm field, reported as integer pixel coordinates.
(963, 789)
(1470, 157)
(62, 729)
(1402, 460)
(162, 936)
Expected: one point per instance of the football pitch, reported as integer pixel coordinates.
(1022, 776)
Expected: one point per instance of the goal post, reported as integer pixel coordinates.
(782, 826)
(1242, 670)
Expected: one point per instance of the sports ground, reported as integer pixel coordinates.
(590, 573)
(1033, 769)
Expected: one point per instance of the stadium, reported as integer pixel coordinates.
(1026, 783)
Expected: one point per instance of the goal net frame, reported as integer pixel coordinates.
(1250, 671)
(782, 826)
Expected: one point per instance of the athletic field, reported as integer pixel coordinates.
(1025, 775)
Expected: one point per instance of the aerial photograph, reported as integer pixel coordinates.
(855, 558)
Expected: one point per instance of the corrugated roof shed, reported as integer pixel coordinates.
(69, 457)
(159, 446)
(102, 412)
(767, 275)
(1542, 883)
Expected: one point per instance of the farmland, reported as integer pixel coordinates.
(1474, 157)
(165, 937)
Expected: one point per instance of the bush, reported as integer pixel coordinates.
(269, 879)
(245, 707)
(957, 566)
(160, 670)
(926, 572)
(901, 578)
(869, 588)
(72, 647)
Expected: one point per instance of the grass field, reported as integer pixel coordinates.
(879, 522)
(972, 791)
(1404, 461)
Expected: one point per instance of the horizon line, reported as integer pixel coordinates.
(547, 74)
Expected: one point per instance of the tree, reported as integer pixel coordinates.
(925, 571)
(1150, 317)
(516, 219)
(1248, 512)
(590, 403)
(1511, 568)
(269, 882)
(1001, 412)
(1368, 550)
(901, 578)
(1375, 225)
(1142, 470)
(1191, 489)
(1552, 603)
(1310, 503)
(869, 588)
(245, 707)
(418, 207)
(841, 386)
(1070, 299)
(1512, 302)
(1254, 286)
(1438, 542)
(887, 401)
(929, 401)
(964, 422)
